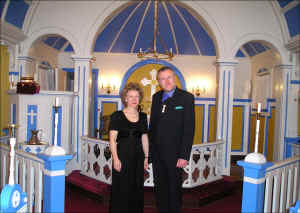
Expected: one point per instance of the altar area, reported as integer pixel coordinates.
(82, 63)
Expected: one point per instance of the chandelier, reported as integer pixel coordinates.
(151, 52)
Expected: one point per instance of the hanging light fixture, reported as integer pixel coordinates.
(151, 52)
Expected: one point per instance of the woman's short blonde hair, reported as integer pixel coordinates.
(131, 86)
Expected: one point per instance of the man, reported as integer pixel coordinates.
(171, 133)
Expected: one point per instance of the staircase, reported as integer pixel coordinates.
(192, 198)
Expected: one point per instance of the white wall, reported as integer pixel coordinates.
(242, 79)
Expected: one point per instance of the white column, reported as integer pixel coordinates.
(82, 74)
(225, 81)
(24, 66)
(284, 105)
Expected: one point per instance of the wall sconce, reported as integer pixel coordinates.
(108, 88)
(200, 87)
(199, 91)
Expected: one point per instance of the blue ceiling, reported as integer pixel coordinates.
(122, 34)
(251, 49)
(57, 42)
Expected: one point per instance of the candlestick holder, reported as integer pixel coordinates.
(12, 130)
(55, 150)
(256, 157)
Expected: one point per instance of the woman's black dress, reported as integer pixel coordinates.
(127, 192)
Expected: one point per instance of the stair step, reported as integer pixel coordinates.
(192, 198)
(88, 184)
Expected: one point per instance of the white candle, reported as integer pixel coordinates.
(258, 107)
(170, 50)
(12, 160)
(55, 128)
(256, 136)
(56, 101)
(140, 50)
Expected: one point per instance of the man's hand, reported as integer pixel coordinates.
(181, 163)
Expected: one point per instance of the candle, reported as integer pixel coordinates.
(140, 50)
(55, 128)
(256, 136)
(258, 107)
(170, 50)
(56, 101)
(12, 159)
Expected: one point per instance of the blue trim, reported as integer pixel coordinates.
(242, 100)
(204, 99)
(13, 73)
(59, 110)
(243, 126)
(152, 61)
(228, 100)
(208, 118)
(289, 139)
(286, 107)
(295, 81)
(202, 120)
(254, 170)
(108, 96)
(5, 132)
(223, 96)
(31, 126)
(287, 145)
(95, 83)
(67, 69)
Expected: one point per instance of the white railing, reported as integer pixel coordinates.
(205, 165)
(28, 174)
(282, 185)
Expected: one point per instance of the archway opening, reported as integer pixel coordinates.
(256, 79)
(52, 66)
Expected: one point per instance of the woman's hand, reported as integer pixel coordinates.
(146, 163)
(117, 165)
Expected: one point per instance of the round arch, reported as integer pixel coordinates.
(152, 61)
(34, 36)
(114, 7)
(265, 38)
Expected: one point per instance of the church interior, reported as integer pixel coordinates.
(240, 60)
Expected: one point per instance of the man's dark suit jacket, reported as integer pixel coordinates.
(171, 133)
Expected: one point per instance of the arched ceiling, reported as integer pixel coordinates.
(251, 49)
(132, 28)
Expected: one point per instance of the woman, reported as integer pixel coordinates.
(130, 148)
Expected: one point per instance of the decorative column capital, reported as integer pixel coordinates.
(286, 67)
(25, 58)
(81, 58)
(221, 62)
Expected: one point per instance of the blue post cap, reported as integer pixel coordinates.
(55, 162)
(254, 170)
